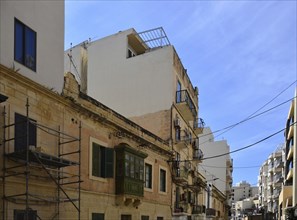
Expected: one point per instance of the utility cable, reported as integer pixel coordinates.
(251, 115)
(248, 146)
(229, 167)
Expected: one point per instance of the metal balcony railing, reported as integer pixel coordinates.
(277, 178)
(199, 124)
(180, 173)
(183, 96)
(210, 212)
(180, 207)
(278, 164)
(197, 209)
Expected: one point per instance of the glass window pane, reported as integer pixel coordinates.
(30, 49)
(131, 166)
(18, 42)
(148, 176)
(162, 180)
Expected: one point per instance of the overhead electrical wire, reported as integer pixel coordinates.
(253, 114)
(247, 167)
(248, 146)
(261, 113)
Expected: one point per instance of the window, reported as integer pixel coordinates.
(177, 134)
(160, 218)
(24, 45)
(133, 166)
(148, 176)
(102, 161)
(162, 180)
(21, 214)
(131, 53)
(21, 134)
(145, 217)
(178, 92)
(97, 216)
(126, 217)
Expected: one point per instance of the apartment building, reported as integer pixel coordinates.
(270, 181)
(288, 195)
(218, 171)
(241, 191)
(65, 155)
(144, 79)
(263, 185)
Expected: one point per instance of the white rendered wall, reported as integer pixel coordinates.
(46, 18)
(215, 168)
(131, 86)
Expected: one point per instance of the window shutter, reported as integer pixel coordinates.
(95, 160)
(109, 160)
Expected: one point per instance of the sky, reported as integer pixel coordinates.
(240, 54)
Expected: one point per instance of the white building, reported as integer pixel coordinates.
(263, 184)
(270, 181)
(37, 51)
(127, 74)
(220, 168)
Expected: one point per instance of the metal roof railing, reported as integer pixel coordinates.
(154, 38)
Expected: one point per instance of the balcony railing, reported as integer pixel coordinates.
(198, 209)
(198, 126)
(180, 173)
(278, 178)
(180, 207)
(210, 212)
(278, 164)
(183, 96)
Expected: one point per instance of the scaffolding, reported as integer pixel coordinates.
(61, 168)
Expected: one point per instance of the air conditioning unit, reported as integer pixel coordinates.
(177, 122)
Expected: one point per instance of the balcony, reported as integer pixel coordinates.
(290, 175)
(180, 208)
(278, 165)
(290, 132)
(180, 173)
(185, 105)
(270, 167)
(276, 194)
(278, 178)
(290, 153)
(210, 212)
(198, 209)
(184, 141)
(198, 126)
(197, 154)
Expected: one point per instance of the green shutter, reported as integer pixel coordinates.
(109, 160)
(95, 160)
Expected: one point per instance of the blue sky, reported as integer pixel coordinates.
(240, 54)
